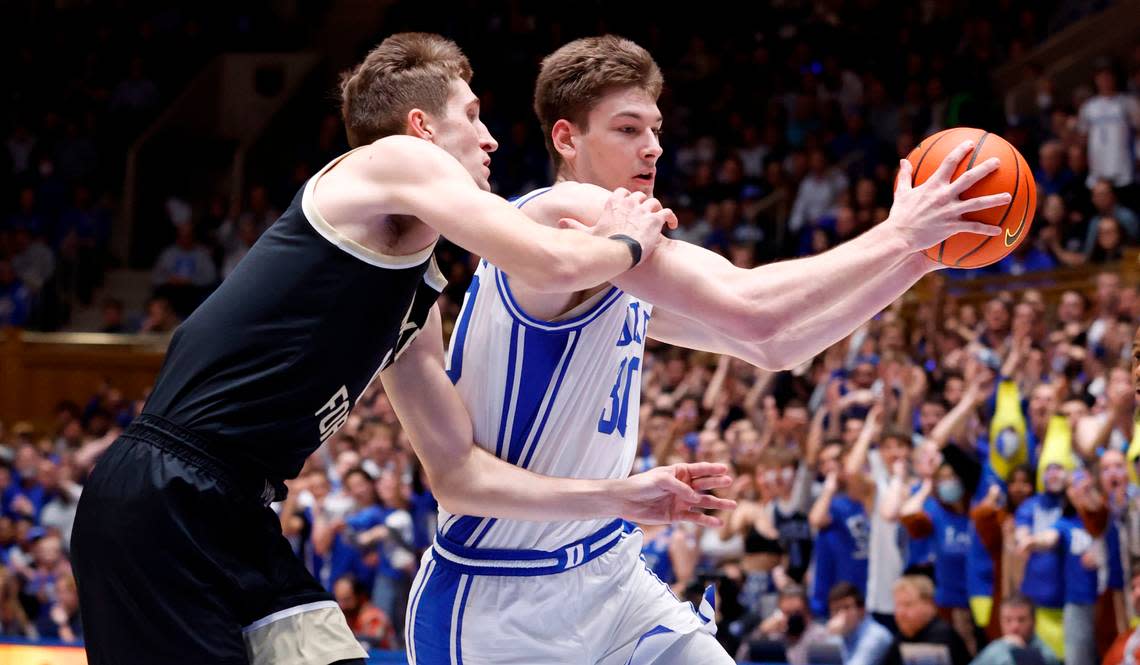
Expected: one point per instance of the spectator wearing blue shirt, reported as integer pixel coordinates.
(184, 271)
(1082, 557)
(865, 641)
(59, 620)
(946, 519)
(392, 536)
(24, 497)
(843, 533)
(15, 299)
(1044, 571)
(347, 555)
(1052, 175)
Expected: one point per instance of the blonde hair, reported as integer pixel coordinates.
(919, 584)
(406, 71)
(573, 79)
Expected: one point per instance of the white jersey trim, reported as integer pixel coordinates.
(574, 323)
(284, 614)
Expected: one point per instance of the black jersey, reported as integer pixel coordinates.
(268, 367)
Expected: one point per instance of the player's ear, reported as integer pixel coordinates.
(420, 125)
(563, 135)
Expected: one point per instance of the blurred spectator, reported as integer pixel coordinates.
(112, 321)
(1052, 175)
(32, 260)
(1109, 119)
(1126, 648)
(247, 234)
(160, 317)
(15, 300)
(865, 641)
(60, 619)
(1019, 644)
(61, 498)
(1105, 204)
(922, 633)
(670, 553)
(13, 618)
(818, 192)
(136, 95)
(790, 628)
(368, 623)
(184, 271)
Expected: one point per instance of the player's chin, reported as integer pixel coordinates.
(643, 185)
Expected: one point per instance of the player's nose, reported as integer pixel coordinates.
(653, 148)
(486, 141)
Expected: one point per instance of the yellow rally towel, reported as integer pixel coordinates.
(1057, 448)
(1134, 452)
(1008, 446)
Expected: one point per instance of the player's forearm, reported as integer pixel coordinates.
(482, 485)
(757, 305)
(546, 259)
(806, 336)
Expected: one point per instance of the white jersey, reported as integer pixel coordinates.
(1109, 122)
(558, 398)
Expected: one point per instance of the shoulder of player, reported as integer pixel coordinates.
(400, 159)
(567, 198)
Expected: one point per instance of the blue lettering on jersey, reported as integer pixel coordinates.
(860, 529)
(633, 330)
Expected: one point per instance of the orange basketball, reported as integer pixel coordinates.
(970, 250)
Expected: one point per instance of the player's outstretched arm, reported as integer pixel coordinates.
(468, 480)
(781, 314)
(414, 177)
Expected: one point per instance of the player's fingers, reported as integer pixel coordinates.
(680, 489)
(711, 483)
(568, 223)
(702, 519)
(710, 502)
(634, 199)
(975, 174)
(906, 176)
(978, 228)
(953, 158)
(983, 203)
(651, 203)
(670, 218)
(700, 469)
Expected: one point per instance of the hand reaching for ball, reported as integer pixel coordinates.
(927, 214)
(964, 197)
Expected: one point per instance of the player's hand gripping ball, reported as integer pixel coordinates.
(969, 250)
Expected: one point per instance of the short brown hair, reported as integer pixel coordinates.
(575, 77)
(406, 71)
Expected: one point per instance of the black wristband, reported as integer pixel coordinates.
(634, 247)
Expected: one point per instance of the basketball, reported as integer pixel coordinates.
(970, 250)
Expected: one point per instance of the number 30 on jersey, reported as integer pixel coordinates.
(616, 415)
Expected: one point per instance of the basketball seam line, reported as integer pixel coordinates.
(970, 165)
(914, 176)
(1008, 208)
